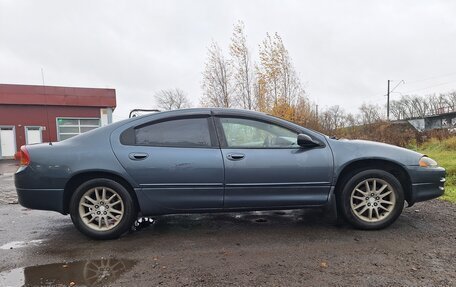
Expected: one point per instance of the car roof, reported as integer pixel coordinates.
(143, 119)
(216, 112)
(203, 111)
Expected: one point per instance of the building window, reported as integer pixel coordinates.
(67, 128)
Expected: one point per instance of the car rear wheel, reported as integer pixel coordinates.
(102, 209)
(371, 199)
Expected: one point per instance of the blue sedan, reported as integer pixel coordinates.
(219, 160)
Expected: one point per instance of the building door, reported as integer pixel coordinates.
(33, 135)
(7, 142)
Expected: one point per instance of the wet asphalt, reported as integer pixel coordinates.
(282, 248)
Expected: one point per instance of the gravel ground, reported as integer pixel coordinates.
(293, 248)
(7, 192)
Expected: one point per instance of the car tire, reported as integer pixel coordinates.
(371, 199)
(102, 209)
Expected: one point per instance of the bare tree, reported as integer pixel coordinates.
(171, 99)
(216, 80)
(397, 109)
(419, 107)
(351, 121)
(242, 68)
(370, 114)
(452, 100)
(412, 106)
(333, 118)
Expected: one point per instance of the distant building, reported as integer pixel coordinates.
(436, 121)
(35, 114)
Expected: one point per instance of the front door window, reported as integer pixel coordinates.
(246, 133)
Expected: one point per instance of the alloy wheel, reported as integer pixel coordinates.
(372, 200)
(101, 208)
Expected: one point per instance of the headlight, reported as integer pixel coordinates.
(427, 162)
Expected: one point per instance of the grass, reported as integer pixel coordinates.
(444, 152)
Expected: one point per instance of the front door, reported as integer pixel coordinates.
(7, 142)
(177, 163)
(264, 166)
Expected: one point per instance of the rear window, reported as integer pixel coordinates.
(190, 132)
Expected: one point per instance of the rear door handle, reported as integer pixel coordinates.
(235, 156)
(138, 155)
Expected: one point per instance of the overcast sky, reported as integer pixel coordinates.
(344, 51)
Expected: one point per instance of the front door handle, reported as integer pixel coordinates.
(138, 155)
(235, 156)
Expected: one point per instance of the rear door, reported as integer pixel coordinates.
(176, 162)
(265, 168)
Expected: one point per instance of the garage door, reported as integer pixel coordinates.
(7, 143)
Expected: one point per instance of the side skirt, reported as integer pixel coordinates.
(330, 208)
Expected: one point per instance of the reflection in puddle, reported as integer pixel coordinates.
(19, 244)
(80, 273)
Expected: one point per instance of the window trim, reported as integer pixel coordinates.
(222, 137)
(72, 126)
(214, 144)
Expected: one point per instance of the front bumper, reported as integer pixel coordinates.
(427, 183)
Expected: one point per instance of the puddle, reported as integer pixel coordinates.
(80, 273)
(20, 244)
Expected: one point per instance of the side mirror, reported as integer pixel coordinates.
(307, 141)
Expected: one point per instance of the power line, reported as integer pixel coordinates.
(414, 90)
(400, 82)
(432, 78)
(441, 84)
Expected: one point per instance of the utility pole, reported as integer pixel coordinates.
(316, 112)
(42, 75)
(388, 102)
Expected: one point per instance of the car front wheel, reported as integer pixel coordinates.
(371, 199)
(102, 209)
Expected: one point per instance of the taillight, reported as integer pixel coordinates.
(25, 157)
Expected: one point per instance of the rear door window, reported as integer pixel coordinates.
(189, 132)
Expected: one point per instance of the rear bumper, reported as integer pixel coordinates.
(44, 199)
(427, 183)
(37, 192)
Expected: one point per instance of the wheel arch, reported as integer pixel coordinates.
(392, 167)
(77, 179)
